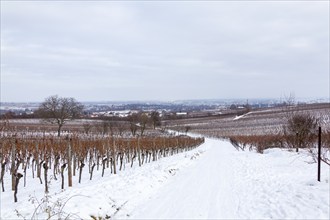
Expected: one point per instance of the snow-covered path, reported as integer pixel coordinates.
(202, 191)
(213, 181)
(227, 184)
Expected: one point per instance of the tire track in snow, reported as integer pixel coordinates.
(228, 184)
(204, 191)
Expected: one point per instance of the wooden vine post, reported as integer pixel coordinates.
(114, 157)
(17, 176)
(45, 166)
(13, 158)
(138, 151)
(69, 155)
(319, 156)
(62, 175)
(80, 169)
(3, 167)
(37, 162)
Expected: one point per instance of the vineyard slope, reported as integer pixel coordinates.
(213, 181)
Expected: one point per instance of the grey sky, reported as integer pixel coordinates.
(163, 50)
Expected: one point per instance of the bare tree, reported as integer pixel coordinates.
(133, 120)
(155, 119)
(138, 121)
(58, 110)
(143, 121)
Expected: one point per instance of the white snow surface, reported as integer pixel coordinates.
(241, 116)
(213, 181)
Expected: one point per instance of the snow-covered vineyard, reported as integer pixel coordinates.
(166, 109)
(212, 181)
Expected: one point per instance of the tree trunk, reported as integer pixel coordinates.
(17, 177)
(111, 169)
(80, 170)
(92, 169)
(57, 158)
(121, 160)
(59, 129)
(90, 161)
(32, 166)
(25, 174)
(45, 165)
(39, 167)
(98, 163)
(103, 165)
(3, 166)
(132, 160)
(62, 175)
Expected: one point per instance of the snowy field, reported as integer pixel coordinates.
(213, 181)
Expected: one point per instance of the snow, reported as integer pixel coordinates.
(241, 116)
(227, 184)
(213, 181)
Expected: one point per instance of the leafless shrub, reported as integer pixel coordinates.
(300, 131)
(256, 142)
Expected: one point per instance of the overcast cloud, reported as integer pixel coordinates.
(103, 50)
